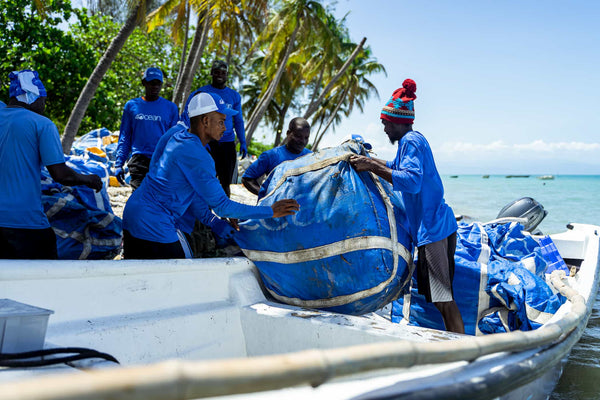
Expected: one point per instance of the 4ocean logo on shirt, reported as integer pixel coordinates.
(148, 117)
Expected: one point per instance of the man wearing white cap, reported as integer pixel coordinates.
(145, 119)
(182, 170)
(28, 141)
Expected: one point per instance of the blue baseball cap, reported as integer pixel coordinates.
(153, 73)
(203, 103)
(26, 86)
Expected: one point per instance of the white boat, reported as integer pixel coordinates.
(185, 329)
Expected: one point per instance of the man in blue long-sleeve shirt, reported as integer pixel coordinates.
(180, 171)
(432, 222)
(223, 150)
(145, 119)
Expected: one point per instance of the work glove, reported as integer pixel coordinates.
(120, 175)
(243, 149)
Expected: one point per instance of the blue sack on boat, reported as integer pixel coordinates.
(498, 283)
(82, 218)
(347, 250)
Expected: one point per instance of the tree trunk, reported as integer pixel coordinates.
(263, 104)
(314, 106)
(330, 120)
(191, 63)
(185, 44)
(281, 124)
(87, 94)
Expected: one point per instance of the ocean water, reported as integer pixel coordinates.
(567, 198)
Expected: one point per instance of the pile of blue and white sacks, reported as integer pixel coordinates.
(346, 250)
(499, 282)
(82, 219)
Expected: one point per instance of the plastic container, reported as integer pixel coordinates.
(22, 327)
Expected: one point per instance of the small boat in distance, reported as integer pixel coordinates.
(453, 176)
(517, 176)
(546, 177)
(486, 177)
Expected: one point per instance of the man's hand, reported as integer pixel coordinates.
(94, 182)
(361, 163)
(234, 223)
(285, 207)
(120, 175)
(243, 149)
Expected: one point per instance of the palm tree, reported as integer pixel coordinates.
(135, 17)
(298, 21)
(353, 90)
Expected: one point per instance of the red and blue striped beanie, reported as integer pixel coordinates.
(400, 108)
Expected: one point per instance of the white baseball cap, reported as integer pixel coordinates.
(203, 103)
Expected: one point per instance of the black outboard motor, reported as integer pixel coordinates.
(525, 207)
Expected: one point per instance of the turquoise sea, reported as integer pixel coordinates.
(567, 198)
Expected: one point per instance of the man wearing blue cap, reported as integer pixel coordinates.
(181, 170)
(145, 119)
(295, 146)
(223, 150)
(29, 141)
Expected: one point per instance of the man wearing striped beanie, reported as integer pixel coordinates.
(432, 222)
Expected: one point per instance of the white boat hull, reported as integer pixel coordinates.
(145, 312)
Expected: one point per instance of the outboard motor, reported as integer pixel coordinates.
(525, 207)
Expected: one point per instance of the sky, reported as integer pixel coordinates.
(503, 87)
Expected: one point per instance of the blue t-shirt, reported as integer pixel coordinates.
(180, 169)
(268, 160)
(142, 124)
(416, 176)
(28, 141)
(233, 100)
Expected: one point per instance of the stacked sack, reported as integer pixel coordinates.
(346, 250)
(82, 219)
(499, 283)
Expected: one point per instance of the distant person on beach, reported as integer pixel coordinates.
(181, 169)
(223, 150)
(432, 222)
(29, 141)
(145, 119)
(295, 146)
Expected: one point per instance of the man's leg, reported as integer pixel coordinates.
(28, 244)
(140, 249)
(223, 153)
(139, 166)
(434, 277)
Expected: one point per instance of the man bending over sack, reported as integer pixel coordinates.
(28, 141)
(181, 169)
(295, 146)
(432, 222)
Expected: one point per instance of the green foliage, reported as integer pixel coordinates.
(29, 41)
(122, 81)
(257, 148)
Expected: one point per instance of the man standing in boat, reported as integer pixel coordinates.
(432, 222)
(29, 141)
(180, 171)
(295, 146)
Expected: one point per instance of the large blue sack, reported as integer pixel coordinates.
(82, 218)
(347, 250)
(499, 283)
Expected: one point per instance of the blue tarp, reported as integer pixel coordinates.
(82, 218)
(336, 253)
(101, 139)
(499, 283)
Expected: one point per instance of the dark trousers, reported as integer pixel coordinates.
(139, 165)
(224, 155)
(28, 244)
(140, 249)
